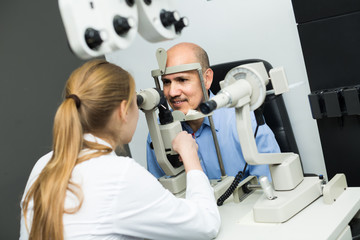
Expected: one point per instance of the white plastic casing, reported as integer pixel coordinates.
(279, 80)
(80, 15)
(334, 188)
(150, 26)
(288, 174)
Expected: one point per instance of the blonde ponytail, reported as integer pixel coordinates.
(96, 88)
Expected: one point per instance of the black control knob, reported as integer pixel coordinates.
(208, 107)
(130, 3)
(168, 18)
(122, 25)
(93, 38)
(179, 25)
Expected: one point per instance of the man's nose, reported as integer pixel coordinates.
(174, 90)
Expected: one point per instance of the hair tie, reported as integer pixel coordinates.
(76, 99)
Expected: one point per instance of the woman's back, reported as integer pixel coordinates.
(122, 199)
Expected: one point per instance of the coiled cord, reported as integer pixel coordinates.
(239, 176)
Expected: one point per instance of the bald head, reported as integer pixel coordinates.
(185, 53)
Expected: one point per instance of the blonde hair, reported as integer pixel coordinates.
(101, 87)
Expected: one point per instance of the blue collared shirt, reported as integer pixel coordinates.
(233, 160)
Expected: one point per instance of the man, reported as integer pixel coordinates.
(183, 92)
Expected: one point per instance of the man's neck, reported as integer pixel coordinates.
(195, 124)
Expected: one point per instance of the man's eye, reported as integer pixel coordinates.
(166, 82)
(182, 79)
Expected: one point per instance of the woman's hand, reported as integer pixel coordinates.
(186, 146)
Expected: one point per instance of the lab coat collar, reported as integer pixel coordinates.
(91, 138)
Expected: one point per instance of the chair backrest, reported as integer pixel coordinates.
(273, 108)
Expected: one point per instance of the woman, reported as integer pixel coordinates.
(83, 190)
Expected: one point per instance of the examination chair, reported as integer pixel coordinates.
(273, 108)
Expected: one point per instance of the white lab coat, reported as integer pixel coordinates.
(122, 200)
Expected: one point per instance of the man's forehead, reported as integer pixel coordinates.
(180, 56)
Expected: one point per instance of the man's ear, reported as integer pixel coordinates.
(208, 78)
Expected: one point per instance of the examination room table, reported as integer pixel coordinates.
(317, 221)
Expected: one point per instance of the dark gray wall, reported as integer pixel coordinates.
(35, 62)
(329, 35)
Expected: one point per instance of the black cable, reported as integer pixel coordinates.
(239, 176)
(256, 130)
